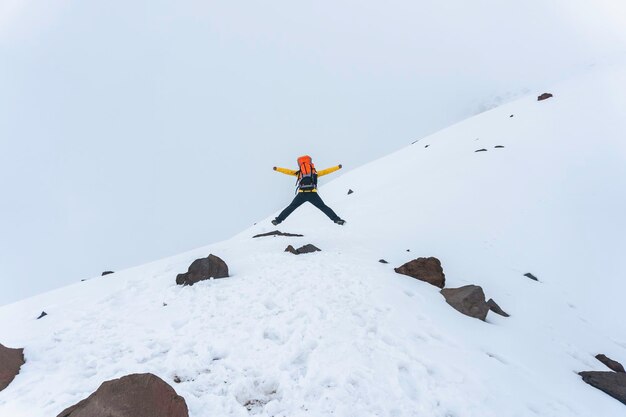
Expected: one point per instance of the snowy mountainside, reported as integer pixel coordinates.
(338, 333)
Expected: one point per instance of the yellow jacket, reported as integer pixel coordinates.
(319, 173)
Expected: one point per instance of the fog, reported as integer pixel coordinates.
(130, 131)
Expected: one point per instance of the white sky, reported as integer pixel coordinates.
(130, 131)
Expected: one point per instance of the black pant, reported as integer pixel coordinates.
(312, 198)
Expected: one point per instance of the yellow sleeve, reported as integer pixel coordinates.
(286, 171)
(328, 170)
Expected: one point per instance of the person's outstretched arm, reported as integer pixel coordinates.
(286, 171)
(328, 170)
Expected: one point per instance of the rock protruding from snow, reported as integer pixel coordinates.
(202, 269)
(309, 248)
(42, 315)
(493, 306)
(350, 192)
(136, 395)
(11, 360)
(612, 383)
(107, 273)
(425, 269)
(610, 363)
(469, 300)
(544, 96)
(531, 276)
(277, 233)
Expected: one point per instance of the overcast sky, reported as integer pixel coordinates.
(130, 131)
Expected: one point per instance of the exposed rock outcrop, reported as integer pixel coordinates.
(531, 276)
(11, 360)
(203, 269)
(107, 273)
(309, 248)
(610, 363)
(612, 383)
(544, 96)
(469, 300)
(277, 233)
(493, 306)
(42, 315)
(136, 395)
(425, 269)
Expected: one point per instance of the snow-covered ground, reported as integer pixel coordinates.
(338, 333)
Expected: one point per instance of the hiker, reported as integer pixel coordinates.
(307, 189)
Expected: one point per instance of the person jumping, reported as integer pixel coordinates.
(307, 189)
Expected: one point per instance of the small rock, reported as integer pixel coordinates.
(382, 261)
(493, 306)
(425, 269)
(612, 383)
(177, 379)
(107, 273)
(350, 192)
(544, 96)
(304, 249)
(164, 304)
(203, 269)
(11, 360)
(610, 363)
(42, 315)
(426, 146)
(531, 276)
(136, 395)
(511, 115)
(469, 300)
(481, 150)
(498, 146)
(277, 233)
(408, 250)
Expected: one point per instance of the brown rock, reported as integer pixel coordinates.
(277, 233)
(493, 306)
(544, 96)
(425, 269)
(469, 300)
(612, 383)
(304, 249)
(136, 395)
(11, 360)
(610, 363)
(202, 269)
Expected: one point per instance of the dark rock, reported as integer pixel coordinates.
(202, 269)
(498, 146)
(304, 249)
(511, 115)
(481, 150)
(277, 233)
(408, 250)
(426, 146)
(382, 261)
(544, 96)
(531, 276)
(107, 273)
(610, 363)
(425, 269)
(292, 250)
(493, 306)
(469, 300)
(11, 360)
(136, 395)
(42, 315)
(612, 383)
(350, 192)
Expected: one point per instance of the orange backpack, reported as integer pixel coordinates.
(307, 175)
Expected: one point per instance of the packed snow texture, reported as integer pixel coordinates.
(338, 333)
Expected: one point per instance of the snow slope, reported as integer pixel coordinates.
(337, 332)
